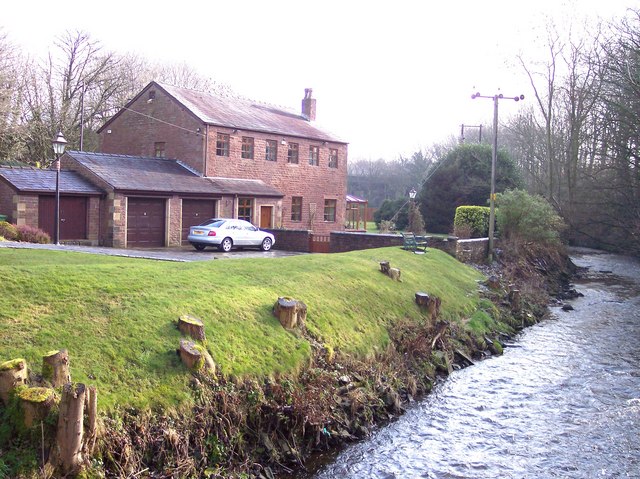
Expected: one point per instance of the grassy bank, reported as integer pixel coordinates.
(117, 316)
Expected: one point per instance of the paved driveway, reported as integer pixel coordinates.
(183, 253)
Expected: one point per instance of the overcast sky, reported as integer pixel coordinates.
(390, 77)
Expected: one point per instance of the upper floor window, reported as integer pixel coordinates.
(247, 147)
(292, 153)
(245, 209)
(296, 208)
(271, 153)
(222, 144)
(333, 158)
(159, 147)
(314, 155)
(330, 210)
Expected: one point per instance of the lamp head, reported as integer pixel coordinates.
(59, 144)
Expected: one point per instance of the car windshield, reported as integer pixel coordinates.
(214, 223)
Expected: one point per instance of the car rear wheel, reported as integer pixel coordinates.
(226, 245)
(266, 244)
(199, 247)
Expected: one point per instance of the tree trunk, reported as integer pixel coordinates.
(191, 326)
(70, 431)
(12, 374)
(36, 404)
(430, 303)
(55, 368)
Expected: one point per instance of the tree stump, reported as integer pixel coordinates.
(394, 274)
(55, 367)
(430, 303)
(70, 432)
(191, 326)
(195, 357)
(290, 312)
(36, 404)
(384, 267)
(514, 299)
(12, 374)
(91, 404)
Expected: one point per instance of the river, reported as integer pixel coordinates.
(562, 402)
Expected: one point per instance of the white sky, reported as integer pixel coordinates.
(390, 77)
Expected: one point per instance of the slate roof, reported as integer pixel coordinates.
(242, 114)
(159, 175)
(35, 180)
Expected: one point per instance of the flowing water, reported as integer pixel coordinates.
(563, 402)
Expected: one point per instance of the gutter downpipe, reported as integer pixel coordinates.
(206, 150)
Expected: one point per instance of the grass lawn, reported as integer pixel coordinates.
(117, 316)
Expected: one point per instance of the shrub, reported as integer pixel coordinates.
(471, 222)
(416, 222)
(8, 231)
(393, 210)
(30, 234)
(523, 217)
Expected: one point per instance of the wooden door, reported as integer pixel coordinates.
(195, 212)
(266, 215)
(73, 216)
(145, 222)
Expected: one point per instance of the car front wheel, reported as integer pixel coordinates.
(266, 244)
(226, 245)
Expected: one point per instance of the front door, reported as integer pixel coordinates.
(266, 214)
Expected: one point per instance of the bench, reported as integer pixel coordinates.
(411, 242)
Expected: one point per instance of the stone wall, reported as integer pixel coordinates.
(472, 250)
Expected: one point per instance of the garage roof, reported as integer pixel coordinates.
(159, 175)
(35, 180)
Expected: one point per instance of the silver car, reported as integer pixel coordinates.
(226, 233)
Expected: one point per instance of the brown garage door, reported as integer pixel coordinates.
(73, 216)
(145, 222)
(195, 212)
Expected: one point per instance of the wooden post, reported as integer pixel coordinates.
(36, 404)
(191, 326)
(12, 374)
(70, 433)
(55, 367)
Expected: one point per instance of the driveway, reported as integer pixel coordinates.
(183, 253)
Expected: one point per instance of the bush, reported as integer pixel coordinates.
(416, 222)
(393, 210)
(523, 217)
(8, 231)
(30, 234)
(471, 222)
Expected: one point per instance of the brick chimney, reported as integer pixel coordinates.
(308, 105)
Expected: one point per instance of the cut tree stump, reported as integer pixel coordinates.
(290, 312)
(514, 299)
(91, 405)
(36, 404)
(191, 326)
(384, 267)
(70, 432)
(394, 274)
(12, 374)
(55, 367)
(430, 303)
(196, 357)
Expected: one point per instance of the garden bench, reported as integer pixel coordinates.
(411, 242)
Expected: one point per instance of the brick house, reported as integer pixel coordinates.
(225, 138)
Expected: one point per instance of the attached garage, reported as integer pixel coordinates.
(195, 212)
(146, 221)
(73, 216)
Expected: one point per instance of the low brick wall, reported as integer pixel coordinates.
(343, 241)
(448, 245)
(291, 240)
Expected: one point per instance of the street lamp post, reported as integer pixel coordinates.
(58, 148)
(494, 156)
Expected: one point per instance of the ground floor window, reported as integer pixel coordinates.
(245, 209)
(296, 208)
(330, 210)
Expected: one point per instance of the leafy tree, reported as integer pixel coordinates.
(463, 177)
(393, 210)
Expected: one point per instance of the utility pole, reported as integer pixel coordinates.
(494, 156)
